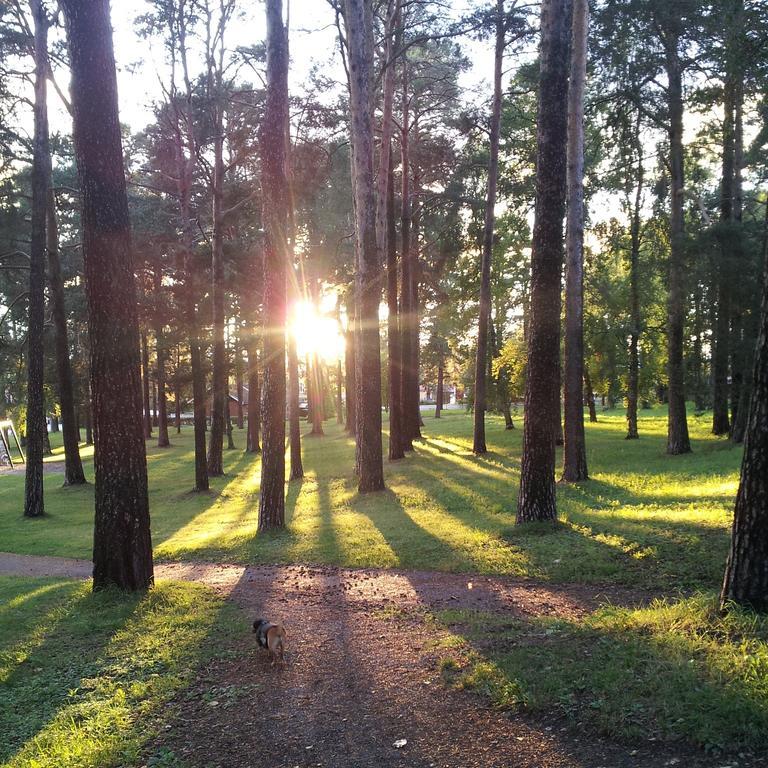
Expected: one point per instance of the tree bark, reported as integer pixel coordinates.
(481, 359)
(746, 571)
(122, 548)
(275, 195)
(590, 396)
(575, 449)
(294, 418)
(439, 392)
(634, 295)
(536, 500)
(350, 369)
(145, 386)
(34, 505)
(358, 19)
(239, 384)
(73, 465)
(678, 441)
(161, 355)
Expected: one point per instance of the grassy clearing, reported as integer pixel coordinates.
(645, 518)
(673, 670)
(84, 677)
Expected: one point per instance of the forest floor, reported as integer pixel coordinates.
(426, 616)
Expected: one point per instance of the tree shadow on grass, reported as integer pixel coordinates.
(624, 673)
(89, 679)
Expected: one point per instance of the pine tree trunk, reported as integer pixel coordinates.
(350, 370)
(439, 392)
(633, 387)
(678, 441)
(536, 500)
(145, 386)
(720, 359)
(275, 197)
(746, 572)
(73, 465)
(37, 432)
(481, 359)
(406, 311)
(294, 418)
(122, 548)
(254, 399)
(239, 386)
(358, 19)
(416, 422)
(177, 393)
(154, 403)
(163, 440)
(575, 450)
(88, 423)
(315, 388)
(219, 374)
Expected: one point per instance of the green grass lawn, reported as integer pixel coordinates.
(644, 518)
(85, 679)
(671, 671)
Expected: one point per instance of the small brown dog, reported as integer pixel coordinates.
(272, 637)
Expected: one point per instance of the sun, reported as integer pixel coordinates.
(315, 333)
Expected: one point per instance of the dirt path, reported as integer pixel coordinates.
(362, 688)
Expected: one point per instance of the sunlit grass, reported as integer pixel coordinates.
(669, 671)
(84, 677)
(644, 517)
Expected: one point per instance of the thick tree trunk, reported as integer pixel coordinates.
(746, 572)
(678, 441)
(275, 197)
(634, 296)
(536, 500)
(36, 427)
(161, 355)
(358, 19)
(481, 359)
(575, 450)
(145, 386)
(122, 548)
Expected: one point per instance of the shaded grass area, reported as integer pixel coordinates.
(644, 518)
(84, 677)
(670, 671)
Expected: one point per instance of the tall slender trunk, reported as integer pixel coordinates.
(439, 392)
(145, 386)
(358, 19)
(294, 418)
(219, 375)
(678, 441)
(721, 356)
(275, 196)
(253, 444)
(406, 310)
(154, 402)
(177, 392)
(161, 354)
(415, 419)
(575, 450)
(481, 359)
(73, 465)
(536, 500)
(634, 295)
(350, 368)
(339, 402)
(122, 547)
(590, 396)
(37, 432)
(315, 388)
(386, 234)
(239, 384)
